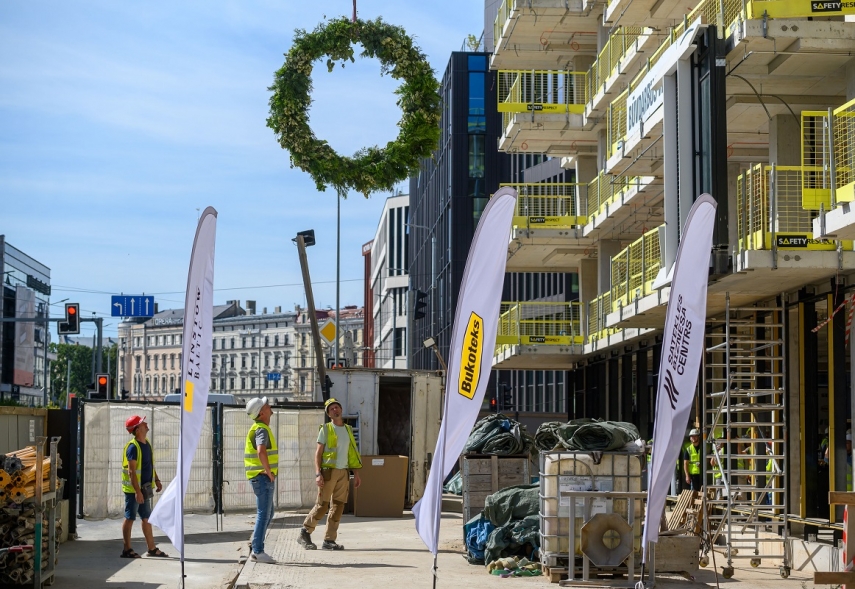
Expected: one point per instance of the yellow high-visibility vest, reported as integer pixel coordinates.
(251, 462)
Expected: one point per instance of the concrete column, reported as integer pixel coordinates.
(784, 141)
(586, 170)
(581, 63)
(606, 248)
(587, 287)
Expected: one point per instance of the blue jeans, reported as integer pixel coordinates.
(262, 486)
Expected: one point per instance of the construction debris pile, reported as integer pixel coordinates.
(19, 476)
(500, 435)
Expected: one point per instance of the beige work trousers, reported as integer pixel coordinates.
(334, 491)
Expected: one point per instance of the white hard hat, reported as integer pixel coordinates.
(695, 432)
(253, 406)
(848, 437)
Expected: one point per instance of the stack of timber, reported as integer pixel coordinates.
(19, 476)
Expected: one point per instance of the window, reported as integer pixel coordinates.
(233, 343)
(252, 344)
(137, 363)
(213, 364)
(232, 383)
(302, 384)
(275, 384)
(242, 382)
(477, 62)
(477, 121)
(267, 341)
(400, 341)
(252, 382)
(302, 339)
(252, 364)
(302, 360)
(243, 342)
(172, 361)
(163, 361)
(171, 383)
(147, 362)
(147, 385)
(232, 362)
(156, 387)
(243, 361)
(267, 360)
(284, 381)
(276, 340)
(178, 340)
(286, 340)
(163, 388)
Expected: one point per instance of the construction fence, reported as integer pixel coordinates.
(217, 479)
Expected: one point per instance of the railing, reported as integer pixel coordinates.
(616, 124)
(598, 310)
(548, 204)
(605, 190)
(635, 267)
(505, 9)
(540, 323)
(612, 54)
(770, 211)
(828, 159)
(541, 91)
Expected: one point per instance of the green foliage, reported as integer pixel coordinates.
(371, 169)
(81, 369)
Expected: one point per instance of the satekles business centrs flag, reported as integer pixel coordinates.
(197, 347)
(682, 350)
(470, 356)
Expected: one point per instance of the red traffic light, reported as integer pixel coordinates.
(72, 310)
(102, 381)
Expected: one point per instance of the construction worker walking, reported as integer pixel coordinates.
(336, 455)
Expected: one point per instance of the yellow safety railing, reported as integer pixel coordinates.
(843, 127)
(548, 204)
(616, 124)
(770, 211)
(611, 55)
(605, 190)
(540, 323)
(505, 9)
(598, 310)
(635, 267)
(795, 9)
(541, 91)
(816, 176)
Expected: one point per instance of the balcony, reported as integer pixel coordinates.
(542, 111)
(619, 206)
(538, 335)
(601, 337)
(618, 62)
(547, 229)
(837, 216)
(774, 252)
(531, 34)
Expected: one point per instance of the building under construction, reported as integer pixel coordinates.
(652, 103)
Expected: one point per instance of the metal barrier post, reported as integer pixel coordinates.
(832, 169)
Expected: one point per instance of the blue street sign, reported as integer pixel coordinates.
(132, 306)
(274, 376)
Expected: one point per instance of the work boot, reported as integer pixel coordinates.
(330, 545)
(306, 539)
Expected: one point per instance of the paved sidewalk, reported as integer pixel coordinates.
(389, 553)
(212, 557)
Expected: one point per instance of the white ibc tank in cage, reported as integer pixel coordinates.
(578, 471)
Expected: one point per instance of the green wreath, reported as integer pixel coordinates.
(371, 168)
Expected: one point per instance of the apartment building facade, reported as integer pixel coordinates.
(651, 104)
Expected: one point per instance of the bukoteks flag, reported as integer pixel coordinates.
(470, 356)
(682, 349)
(168, 514)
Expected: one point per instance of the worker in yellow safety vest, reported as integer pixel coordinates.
(335, 457)
(692, 460)
(261, 463)
(138, 476)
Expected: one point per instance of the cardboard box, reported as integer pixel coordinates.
(383, 488)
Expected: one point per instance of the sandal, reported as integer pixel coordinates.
(157, 552)
(129, 553)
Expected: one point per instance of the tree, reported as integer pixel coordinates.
(80, 359)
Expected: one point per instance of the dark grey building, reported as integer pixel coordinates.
(446, 201)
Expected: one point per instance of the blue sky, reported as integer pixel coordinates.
(119, 121)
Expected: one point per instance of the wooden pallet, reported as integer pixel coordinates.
(678, 516)
(555, 574)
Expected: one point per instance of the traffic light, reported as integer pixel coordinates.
(507, 397)
(125, 394)
(420, 305)
(102, 386)
(494, 405)
(71, 325)
(308, 237)
(333, 365)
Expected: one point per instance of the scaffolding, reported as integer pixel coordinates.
(744, 423)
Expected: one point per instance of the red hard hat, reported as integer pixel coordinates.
(132, 423)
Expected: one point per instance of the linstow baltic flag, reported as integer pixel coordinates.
(470, 356)
(197, 344)
(682, 349)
